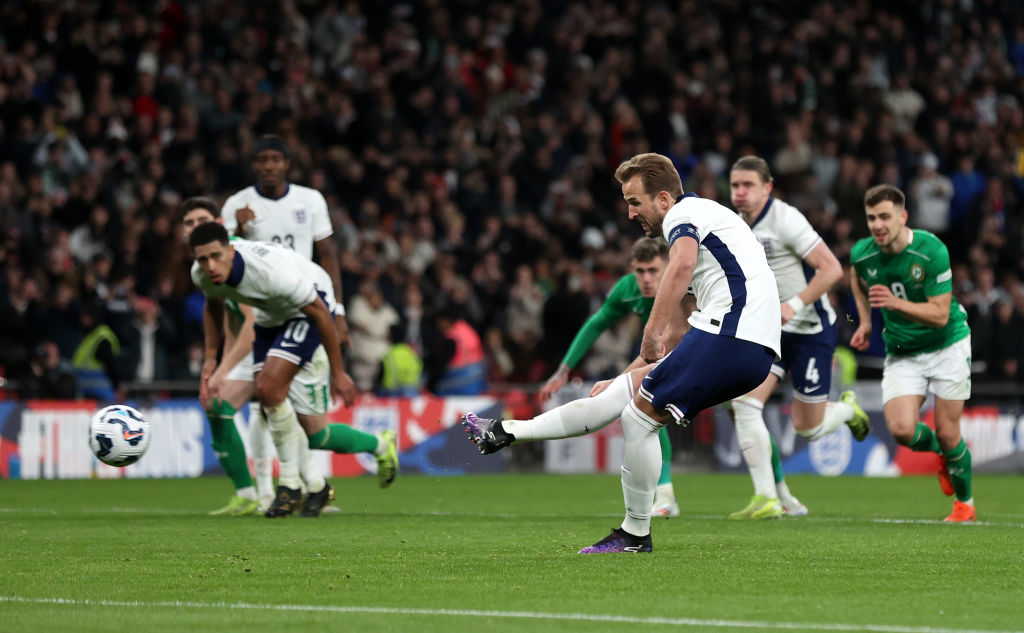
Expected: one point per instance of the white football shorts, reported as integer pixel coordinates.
(310, 391)
(945, 373)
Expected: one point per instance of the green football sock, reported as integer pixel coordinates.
(925, 440)
(780, 476)
(958, 460)
(342, 438)
(227, 444)
(666, 457)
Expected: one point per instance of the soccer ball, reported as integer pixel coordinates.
(118, 435)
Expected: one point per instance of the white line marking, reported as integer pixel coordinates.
(474, 613)
(508, 515)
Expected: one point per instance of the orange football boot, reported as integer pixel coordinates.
(961, 513)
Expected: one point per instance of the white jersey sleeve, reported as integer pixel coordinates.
(787, 238)
(229, 212)
(320, 217)
(735, 289)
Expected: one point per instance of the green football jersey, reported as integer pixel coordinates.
(920, 271)
(624, 298)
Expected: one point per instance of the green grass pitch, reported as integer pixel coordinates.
(498, 553)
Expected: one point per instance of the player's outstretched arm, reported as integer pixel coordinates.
(861, 338)
(610, 312)
(554, 383)
(342, 386)
(828, 271)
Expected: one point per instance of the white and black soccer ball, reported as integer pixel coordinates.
(118, 435)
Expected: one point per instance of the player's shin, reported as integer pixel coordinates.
(578, 417)
(755, 444)
(777, 471)
(288, 438)
(641, 465)
(836, 414)
(309, 472)
(959, 463)
(262, 447)
(227, 444)
(342, 438)
(924, 440)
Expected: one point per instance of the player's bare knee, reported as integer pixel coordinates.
(270, 395)
(948, 435)
(312, 424)
(648, 409)
(902, 435)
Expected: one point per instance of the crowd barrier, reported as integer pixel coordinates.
(47, 439)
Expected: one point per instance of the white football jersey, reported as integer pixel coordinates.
(277, 281)
(296, 220)
(735, 289)
(787, 237)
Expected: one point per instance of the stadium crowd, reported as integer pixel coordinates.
(466, 151)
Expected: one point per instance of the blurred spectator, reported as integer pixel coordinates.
(456, 363)
(526, 305)
(369, 319)
(401, 369)
(1008, 346)
(95, 360)
(50, 376)
(930, 195)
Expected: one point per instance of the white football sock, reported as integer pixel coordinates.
(665, 493)
(288, 438)
(247, 493)
(785, 496)
(261, 445)
(578, 417)
(836, 415)
(641, 467)
(755, 444)
(310, 473)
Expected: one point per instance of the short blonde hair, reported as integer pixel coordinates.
(657, 173)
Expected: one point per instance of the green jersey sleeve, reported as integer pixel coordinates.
(624, 298)
(938, 274)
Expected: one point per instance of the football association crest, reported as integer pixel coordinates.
(917, 272)
(300, 216)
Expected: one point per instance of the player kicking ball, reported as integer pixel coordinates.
(905, 273)
(733, 339)
(633, 293)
